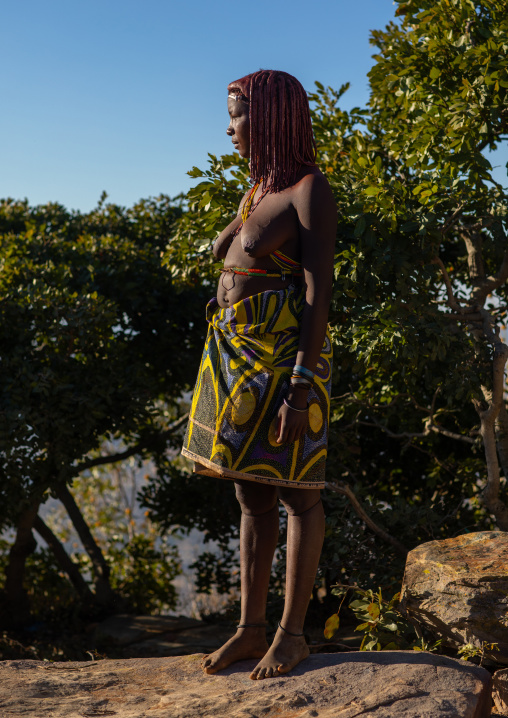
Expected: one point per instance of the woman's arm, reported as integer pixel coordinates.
(317, 220)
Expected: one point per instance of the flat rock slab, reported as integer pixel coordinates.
(390, 684)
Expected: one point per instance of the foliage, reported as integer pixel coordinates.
(210, 207)
(469, 651)
(179, 501)
(382, 624)
(96, 340)
(422, 231)
(143, 565)
(89, 318)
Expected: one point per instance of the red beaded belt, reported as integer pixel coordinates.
(264, 272)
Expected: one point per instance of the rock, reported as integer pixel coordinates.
(389, 684)
(125, 636)
(203, 639)
(122, 630)
(500, 690)
(458, 589)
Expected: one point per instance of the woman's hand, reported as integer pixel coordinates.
(292, 423)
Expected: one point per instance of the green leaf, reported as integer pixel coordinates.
(360, 227)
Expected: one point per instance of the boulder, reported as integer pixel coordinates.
(500, 690)
(389, 684)
(458, 589)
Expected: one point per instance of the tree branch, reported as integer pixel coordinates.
(133, 451)
(343, 488)
(452, 299)
(65, 561)
(493, 282)
(502, 438)
(103, 591)
(451, 221)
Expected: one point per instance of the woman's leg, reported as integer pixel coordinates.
(306, 527)
(259, 532)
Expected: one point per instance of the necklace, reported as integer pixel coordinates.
(248, 208)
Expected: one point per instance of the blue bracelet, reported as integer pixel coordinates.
(302, 370)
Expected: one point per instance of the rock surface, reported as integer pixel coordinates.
(391, 684)
(458, 589)
(125, 636)
(500, 690)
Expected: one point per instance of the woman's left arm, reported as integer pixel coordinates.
(317, 220)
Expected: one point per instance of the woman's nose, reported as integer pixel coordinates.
(229, 130)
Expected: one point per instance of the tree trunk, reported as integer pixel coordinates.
(103, 592)
(16, 609)
(490, 494)
(488, 418)
(502, 439)
(65, 561)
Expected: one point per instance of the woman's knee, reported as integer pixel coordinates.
(298, 501)
(255, 499)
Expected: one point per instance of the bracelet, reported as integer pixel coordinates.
(301, 380)
(294, 407)
(303, 371)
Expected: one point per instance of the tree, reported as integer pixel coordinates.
(96, 340)
(419, 419)
(421, 269)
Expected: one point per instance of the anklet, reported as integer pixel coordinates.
(251, 625)
(289, 632)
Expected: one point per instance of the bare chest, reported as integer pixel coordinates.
(271, 226)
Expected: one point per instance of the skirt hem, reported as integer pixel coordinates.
(212, 469)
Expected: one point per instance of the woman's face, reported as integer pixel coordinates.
(239, 126)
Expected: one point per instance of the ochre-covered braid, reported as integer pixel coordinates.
(281, 138)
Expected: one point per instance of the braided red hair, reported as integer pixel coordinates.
(281, 138)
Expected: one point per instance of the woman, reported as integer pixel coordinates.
(260, 409)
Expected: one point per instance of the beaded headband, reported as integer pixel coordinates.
(239, 97)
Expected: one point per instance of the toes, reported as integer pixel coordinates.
(254, 675)
(208, 665)
(210, 668)
(283, 668)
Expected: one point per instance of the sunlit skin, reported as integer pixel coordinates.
(300, 221)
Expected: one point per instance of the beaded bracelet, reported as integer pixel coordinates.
(301, 379)
(298, 369)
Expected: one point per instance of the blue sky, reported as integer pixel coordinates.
(127, 96)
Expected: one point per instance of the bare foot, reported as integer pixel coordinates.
(284, 654)
(246, 643)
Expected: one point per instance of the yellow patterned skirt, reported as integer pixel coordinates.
(249, 354)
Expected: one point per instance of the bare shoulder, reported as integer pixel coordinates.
(312, 194)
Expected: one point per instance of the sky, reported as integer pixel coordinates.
(126, 96)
